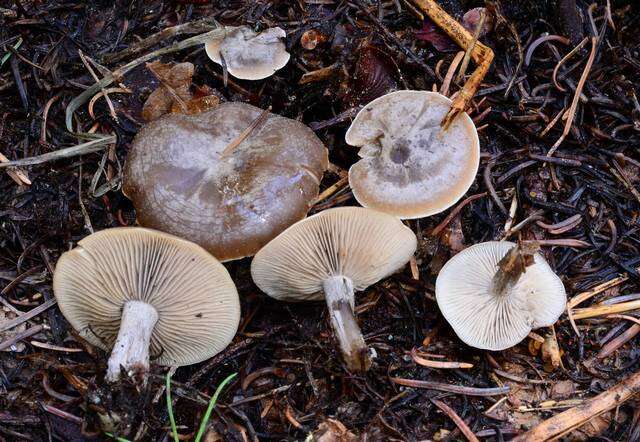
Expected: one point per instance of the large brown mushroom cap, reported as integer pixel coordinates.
(232, 204)
(410, 166)
(360, 244)
(195, 299)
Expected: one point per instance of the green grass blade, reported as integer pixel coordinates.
(212, 403)
(8, 54)
(119, 439)
(174, 430)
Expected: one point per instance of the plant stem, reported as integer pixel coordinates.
(212, 404)
(339, 295)
(131, 349)
(172, 420)
(511, 267)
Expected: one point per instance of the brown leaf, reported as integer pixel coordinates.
(332, 430)
(174, 89)
(563, 389)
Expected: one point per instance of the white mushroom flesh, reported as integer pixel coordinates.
(131, 348)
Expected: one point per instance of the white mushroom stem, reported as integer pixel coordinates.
(511, 267)
(338, 291)
(131, 349)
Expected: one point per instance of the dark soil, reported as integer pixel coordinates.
(284, 353)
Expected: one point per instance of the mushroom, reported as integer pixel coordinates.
(329, 256)
(136, 291)
(411, 167)
(229, 179)
(248, 55)
(494, 293)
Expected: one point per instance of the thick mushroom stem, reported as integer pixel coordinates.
(338, 291)
(511, 267)
(131, 349)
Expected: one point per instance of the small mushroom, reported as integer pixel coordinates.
(138, 291)
(229, 179)
(494, 293)
(329, 256)
(411, 167)
(248, 55)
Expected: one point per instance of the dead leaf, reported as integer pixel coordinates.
(174, 89)
(563, 389)
(471, 20)
(442, 42)
(196, 105)
(332, 430)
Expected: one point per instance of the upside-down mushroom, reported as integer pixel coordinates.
(329, 256)
(494, 293)
(411, 167)
(248, 55)
(138, 292)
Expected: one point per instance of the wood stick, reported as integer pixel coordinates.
(464, 428)
(80, 149)
(28, 315)
(601, 310)
(580, 298)
(564, 422)
(481, 54)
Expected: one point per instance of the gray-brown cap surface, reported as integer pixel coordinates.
(182, 181)
(187, 298)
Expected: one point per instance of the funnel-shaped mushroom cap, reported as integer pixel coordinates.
(194, 297)
(247, 55)
(360, 244)
(485, 320)
(410, 166)
(230, 203)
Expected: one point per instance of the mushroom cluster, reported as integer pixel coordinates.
(238, 181)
